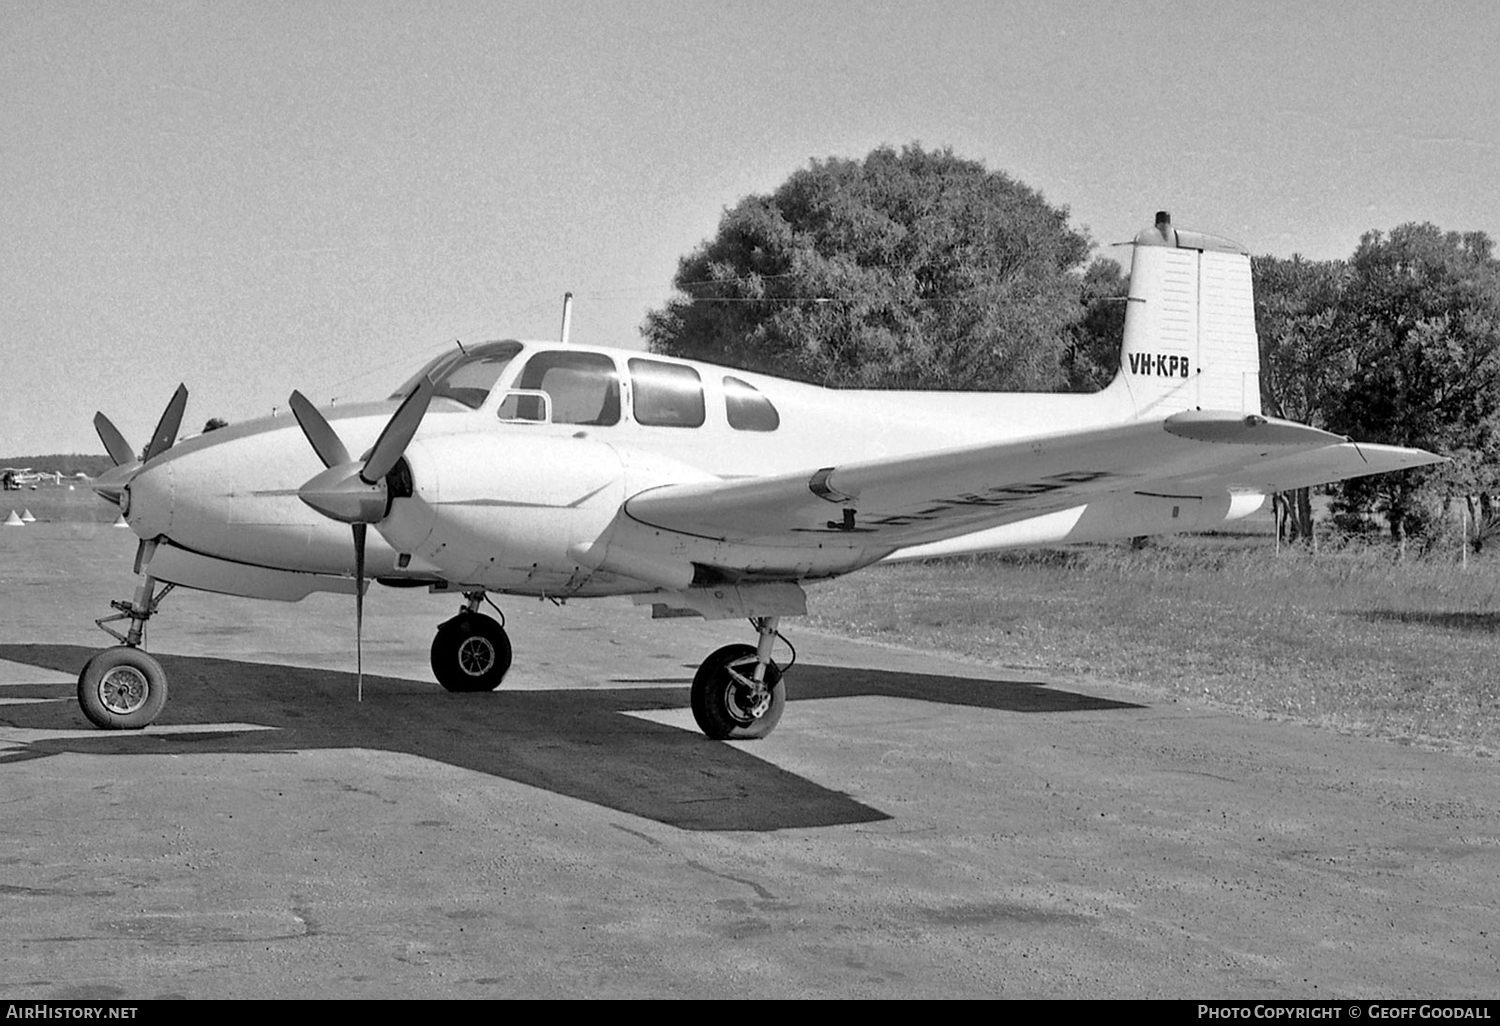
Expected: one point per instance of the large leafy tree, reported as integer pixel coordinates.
(907, 269)
(1419, 320)
(1093, 356)
(1302, 358)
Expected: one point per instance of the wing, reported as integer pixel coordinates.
(907, 500)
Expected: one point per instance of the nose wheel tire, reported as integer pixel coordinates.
(727, 702)
(122, 688)
(470, 653)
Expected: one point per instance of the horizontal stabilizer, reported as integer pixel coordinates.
(1332, 463)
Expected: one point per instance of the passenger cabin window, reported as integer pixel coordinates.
(582, 388)
(748, 410)
(666, 394)
(465, 375)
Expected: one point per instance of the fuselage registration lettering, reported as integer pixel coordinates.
(1159, 365)
(997, 497)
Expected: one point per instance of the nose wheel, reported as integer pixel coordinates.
(122, 688)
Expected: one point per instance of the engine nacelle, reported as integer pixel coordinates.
(501, 511)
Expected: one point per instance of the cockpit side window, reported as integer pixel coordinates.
(748, 410)
(666, 394)
(583, 387)
(465, 375)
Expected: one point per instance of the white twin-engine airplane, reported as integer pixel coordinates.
(567, 471)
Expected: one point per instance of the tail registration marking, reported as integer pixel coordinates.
(1159, 365)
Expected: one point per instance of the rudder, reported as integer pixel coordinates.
(1189, 339)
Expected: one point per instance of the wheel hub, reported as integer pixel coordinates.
(746, 698)
(123, 690)
(476, 655)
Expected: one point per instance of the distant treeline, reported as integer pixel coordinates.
(59, 463)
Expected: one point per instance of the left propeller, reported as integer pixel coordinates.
(356, 492)
(111, 484)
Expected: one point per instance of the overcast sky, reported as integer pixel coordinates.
(252, 197)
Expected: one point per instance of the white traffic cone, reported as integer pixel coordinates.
(13, 520)
(27, 518)
(121, 521)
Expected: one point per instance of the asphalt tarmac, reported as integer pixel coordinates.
(915, 827)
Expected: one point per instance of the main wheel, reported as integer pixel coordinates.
(122, 688)
(470, 653)
(726, 703)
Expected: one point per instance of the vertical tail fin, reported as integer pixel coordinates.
(1190, 338)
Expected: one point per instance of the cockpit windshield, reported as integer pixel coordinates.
(464, 375)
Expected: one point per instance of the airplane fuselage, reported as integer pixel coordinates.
(531, 505)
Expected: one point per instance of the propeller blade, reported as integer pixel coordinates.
(166, 428)
(360, 530)
(114, 443)
(320, 434)
(398, 433)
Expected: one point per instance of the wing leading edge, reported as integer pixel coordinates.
(908, 500)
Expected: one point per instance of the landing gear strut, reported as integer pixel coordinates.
(737, 692)
(122, 688)
(471, 652)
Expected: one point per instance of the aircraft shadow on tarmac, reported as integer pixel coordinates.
(572, 742)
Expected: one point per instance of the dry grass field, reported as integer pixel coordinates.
(1356, 640)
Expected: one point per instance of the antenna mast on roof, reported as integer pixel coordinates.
(567, 324)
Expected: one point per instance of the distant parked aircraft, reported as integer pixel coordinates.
(13, 479)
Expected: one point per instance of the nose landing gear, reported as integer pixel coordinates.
(123, 688)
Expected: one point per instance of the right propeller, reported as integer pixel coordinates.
(354, 492)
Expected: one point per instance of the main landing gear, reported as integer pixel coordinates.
(737, 692)
(122, 688)
(471, 651)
